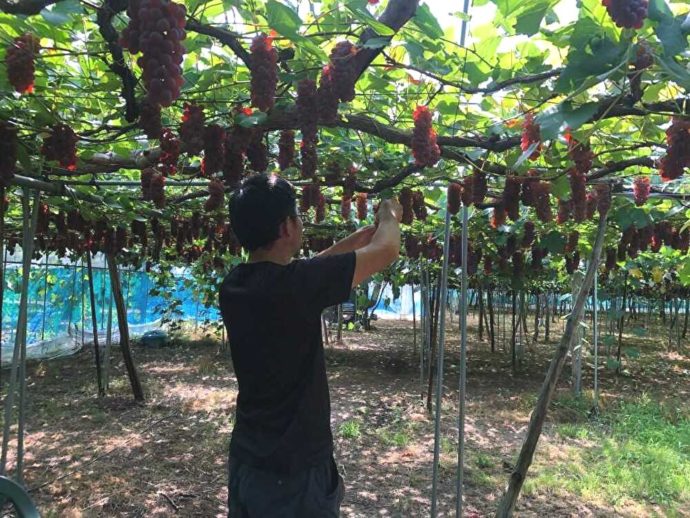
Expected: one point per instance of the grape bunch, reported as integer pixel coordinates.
(542, 200)
(527, 194)
(466, 195)
(537, 254)
(327, 96)
(479, 186)
(8, 152)
(412, 247)
(264, 72)
(518, 264)
(591, 203)
(424, 148)
(286, 149)
(530, 136)
(511, 197)
(257, 153)
(641, 190)
(310, 196)
(528, 235)
(216, 196)
(488, 265)
(498, 216)
(307, 109)
(603, 198)
(579, 153)
(156, 28)
(454, 198)
(309, 156)
(157, 190)
(362, 208)
(405, 199)
(346, 207)
(677, 157)
(565, 209)
(646, 235)
(146, 177)
(19, 60)
(150, 119)
(192, 128)
(628, 14)
(214, 150)
(644, 57)
(343, 70)
(419, 205)
(573, 239)
(170, 152)
(61, 145)
(578, 188)
(320, 213)
(138, 229)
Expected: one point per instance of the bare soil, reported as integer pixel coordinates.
(87, 456)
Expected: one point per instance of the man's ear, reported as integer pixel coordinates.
(284, 229)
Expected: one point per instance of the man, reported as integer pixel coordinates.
(281, 451)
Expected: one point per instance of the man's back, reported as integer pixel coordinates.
(272, 315)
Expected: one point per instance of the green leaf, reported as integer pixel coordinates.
(376, 43)
(612, 364)
(659, 10)
(632, 352)
(554, 242)
(282, 18)
(427, 22)
(671, 36)
(59, 13)
(361, 14)
(529, 22)
(560, 187)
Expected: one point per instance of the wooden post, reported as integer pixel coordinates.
(94, 318)
(339, 336)
(2, 266)
(124, 328)
(490, 303)
(621, 322)
(517, 478)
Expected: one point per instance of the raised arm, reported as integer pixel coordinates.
(384, 247)
(358, 239)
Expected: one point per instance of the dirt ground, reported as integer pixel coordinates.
(111, 457)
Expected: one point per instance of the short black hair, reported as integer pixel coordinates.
(258, 207)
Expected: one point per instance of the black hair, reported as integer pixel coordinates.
(258, 207)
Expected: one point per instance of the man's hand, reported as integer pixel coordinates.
(389, 208)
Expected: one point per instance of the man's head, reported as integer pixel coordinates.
(263, 214)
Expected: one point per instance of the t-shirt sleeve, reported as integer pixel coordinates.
(325, 281)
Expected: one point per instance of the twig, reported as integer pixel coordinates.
(170, 501)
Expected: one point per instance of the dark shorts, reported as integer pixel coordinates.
(316, 492)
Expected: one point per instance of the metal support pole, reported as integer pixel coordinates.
(595, 326)
(439, 367)
(463, 366)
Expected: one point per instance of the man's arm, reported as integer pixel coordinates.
(358, 239)
(384, 247)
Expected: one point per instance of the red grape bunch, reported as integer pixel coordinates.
(150, 119)
(286, 149)
(157, 190)
(264, 72)
(542, 200)
(511, 197)
(641, 190)
(146, 177)
(419, 205)
(454, 198)
(529, 235)
(362, 208)
(308, 118)
(257, 153)
(424, 147)
(19, 60)
(346, 207)
(578, 183)
(579, 153)
(603, 198)
(405, 199)
(327, 96)
(214, 149)
(320, 213)
(156, 28)
(8, 152)
(531, 135)
(192, 128)
(61, 145)
(565, 209)
(498, 216)
(170, 152)
(677, 157)
(216, 195)
(628, 14)
(479, 186)
(343, 70)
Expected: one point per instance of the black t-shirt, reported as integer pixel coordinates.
(272, 314)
